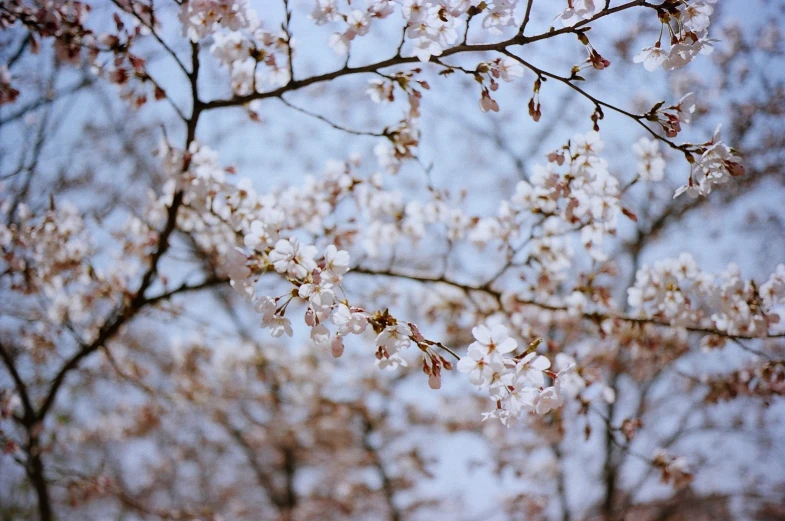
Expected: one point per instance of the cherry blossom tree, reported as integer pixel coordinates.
(381, 259)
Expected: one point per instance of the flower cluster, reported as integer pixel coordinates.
(517, 383)
(357, 21)
(716, 164)
(52, 243)
(317, 284)
(574, 190)
(244, 52)
(431, 25)
(200, 18)
(688, 39)
(679, 292)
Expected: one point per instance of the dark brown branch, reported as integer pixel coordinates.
(610, 468)
(34, 466)
(24, 395)
(18, 53)
(526, 17)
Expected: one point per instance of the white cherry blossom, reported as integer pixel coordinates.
(336, 264)
(293, 259)
(651, 57)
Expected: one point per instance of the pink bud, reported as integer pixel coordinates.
(337, 346)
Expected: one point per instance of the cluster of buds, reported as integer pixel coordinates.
(433, 362)
(506, 69)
